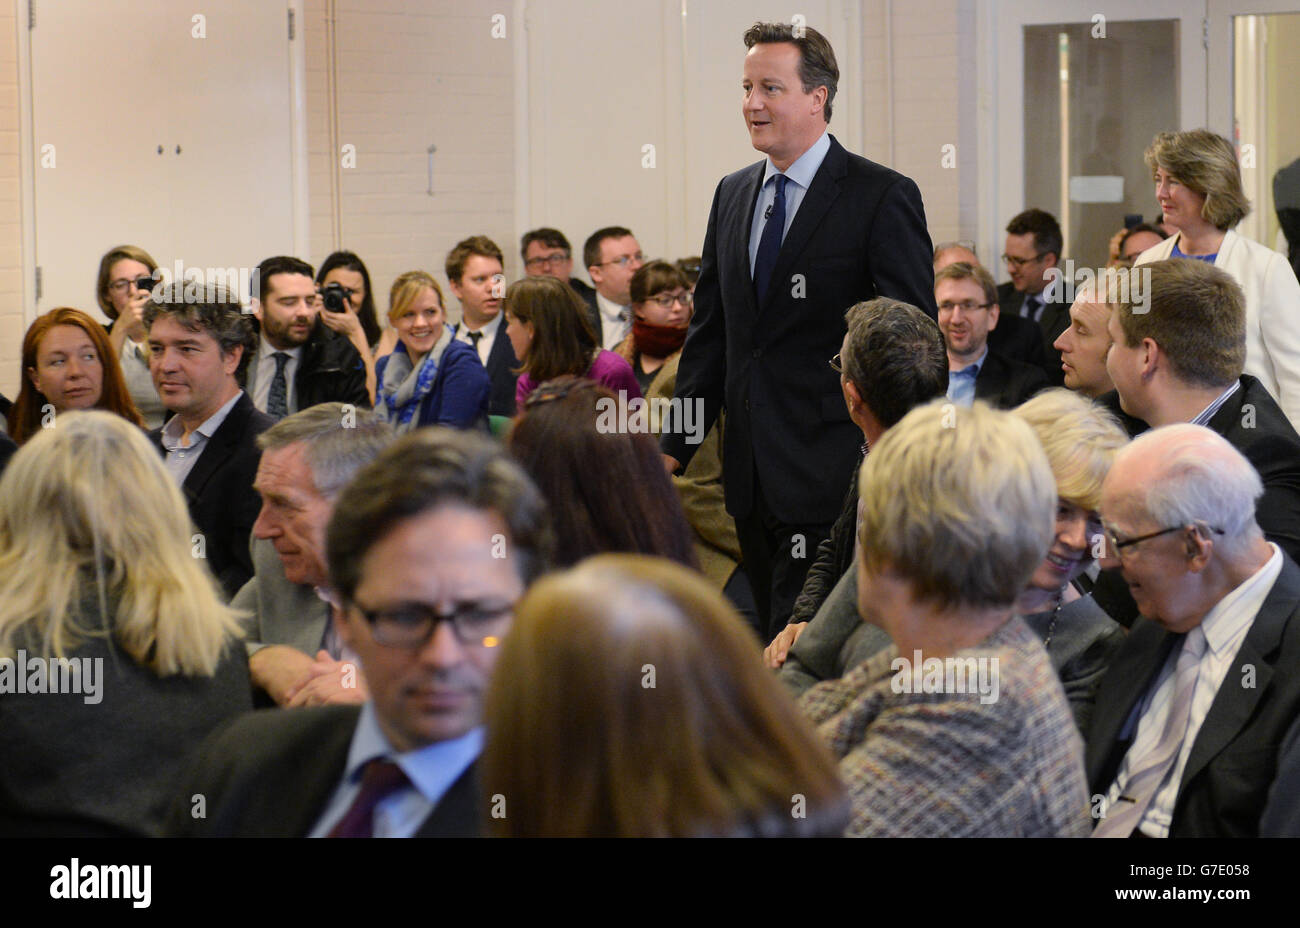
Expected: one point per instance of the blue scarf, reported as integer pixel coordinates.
(405, 386)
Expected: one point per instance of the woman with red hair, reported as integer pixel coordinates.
(68, 364)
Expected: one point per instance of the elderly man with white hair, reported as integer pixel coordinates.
(1188, 722)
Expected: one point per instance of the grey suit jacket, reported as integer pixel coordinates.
(282, 612)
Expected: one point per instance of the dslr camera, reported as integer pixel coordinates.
(335, 297)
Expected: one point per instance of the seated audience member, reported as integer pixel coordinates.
(956, 515)
(299, 361)
(606, 486)
(1032, 255)
(121, 292)
(429, 548)
(552, 337)
(690, 268)
(718, 751)
(430, 378)
(67, 364)
(1179, 746)
(654, 351)
(97, 569)
(612, 256)
(306, 461)
(1015, 337)
(1177, 357)
(357, 320)
(475, 272)
(1198, 184)
(1129, 243)
(547, 252)
(1281, 817)
(196, 352)
(1085, 344)
(892, 360)
(968, 311)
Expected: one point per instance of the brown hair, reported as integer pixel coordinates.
(25, 416)
(961, 270)
(1205, 163)
(817, 67)
(120, 253)
(1195, 312)
(655, 277)
(563, 340)
(467, 248)
(626, 503)
(629, 701)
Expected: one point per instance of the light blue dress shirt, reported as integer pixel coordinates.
(961, 384)
(431, 769)
(798, 176)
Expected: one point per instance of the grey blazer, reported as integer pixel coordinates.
(282, 612)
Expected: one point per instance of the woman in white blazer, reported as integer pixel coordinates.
(1198, 184)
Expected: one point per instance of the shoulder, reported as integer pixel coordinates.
(270, 736)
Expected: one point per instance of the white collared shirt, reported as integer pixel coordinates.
(263, 368)
(181, 458)
(798, 176)
(615, 321)
(1225, 627)
(1208, 412)
(485, 343)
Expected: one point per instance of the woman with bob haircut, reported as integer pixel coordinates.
(549, 330)
(429, 378)
(97, 567)
(1198, 184)
(607, 488)
(960, 727)
(122, 301)
(67, 364)
(626, 702)
(1081, 440)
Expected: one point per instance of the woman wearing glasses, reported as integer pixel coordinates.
(661, 311)
(552, 336)
(122, 291)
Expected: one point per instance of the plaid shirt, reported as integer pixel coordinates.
(945, 765)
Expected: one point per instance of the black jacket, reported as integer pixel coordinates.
(330, 371)
(834, 557)
(1054, 320)
(1005, 383)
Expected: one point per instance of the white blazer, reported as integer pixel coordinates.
(1272, 312)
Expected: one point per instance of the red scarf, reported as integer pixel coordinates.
(657, 341)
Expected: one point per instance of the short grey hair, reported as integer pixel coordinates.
(339, 439)
(1203, 479)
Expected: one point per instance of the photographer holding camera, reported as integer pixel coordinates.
(299, 362)
(127, 275)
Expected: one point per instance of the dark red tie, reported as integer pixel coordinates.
(381, 778)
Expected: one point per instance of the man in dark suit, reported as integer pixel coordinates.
(546, 252)
(210, 443)
(792, 242)
(1015, 337)
(293, 655)
(1188, 722)
(612, 255)
(1033, 249)
(477, 278)
(968, 312)
(425, 574)
(299, 361)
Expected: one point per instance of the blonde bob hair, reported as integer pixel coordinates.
(406, 288)
(88, 511)
(959, 502)
(1206, 163)
(1080, 438)
(629, 701)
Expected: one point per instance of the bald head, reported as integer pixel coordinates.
(948, 254)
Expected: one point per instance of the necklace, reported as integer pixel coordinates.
(1051, 627)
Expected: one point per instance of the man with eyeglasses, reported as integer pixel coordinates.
(299, 362)
(1033, 248)
(968, 312)
(612, 256)
(429, 548)
(1188, 721)
(546, 251)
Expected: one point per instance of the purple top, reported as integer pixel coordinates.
(608, 369)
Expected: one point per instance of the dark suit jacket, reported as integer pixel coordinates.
(1005, 383)
(1226, 782)
(501, 365)
(1054, 320)
(220, 494)
(1019, 339)
(270, 773)
(588, 295)
(859, 233)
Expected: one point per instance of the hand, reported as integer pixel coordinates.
(345, 322)
(774, 654)
(671, 464)
(331, 682)
(280, 670)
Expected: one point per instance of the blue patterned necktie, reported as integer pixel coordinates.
(277, 403)
(769, 246)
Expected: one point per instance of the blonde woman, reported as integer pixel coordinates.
(98, 569)
(627, 703)
(1198, 185)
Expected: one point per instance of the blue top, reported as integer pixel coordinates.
(1178, 253)
(961, 384)
(457, 395)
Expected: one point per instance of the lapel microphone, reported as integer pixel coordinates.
(767, 213)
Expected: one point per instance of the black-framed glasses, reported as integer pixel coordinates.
(1018, 263)
(624, 260)
(1117, 544)
(554, 260)
(666, 300)
(966, 306)
(411, 625)
(837, 364)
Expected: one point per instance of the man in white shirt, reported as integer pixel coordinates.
(612, 256)
(1188, 721)
(475, 273)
